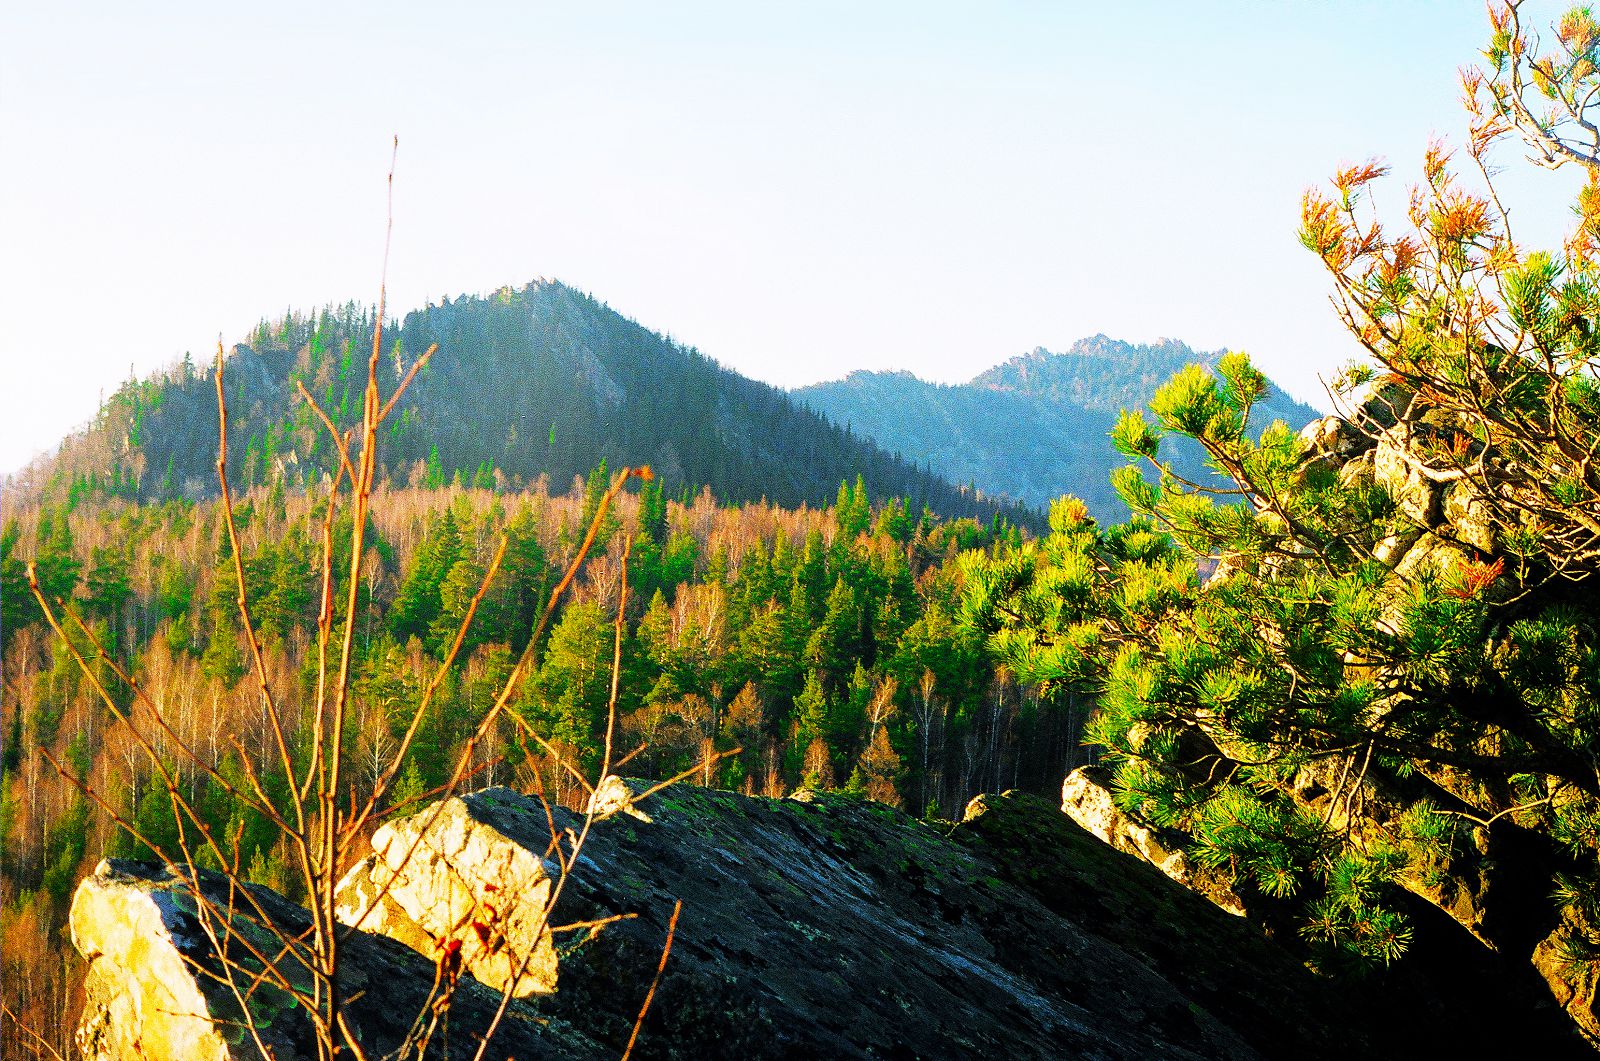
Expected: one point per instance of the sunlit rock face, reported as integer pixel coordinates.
(443, 879)
(141, 998)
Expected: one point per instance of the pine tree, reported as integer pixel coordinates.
(433, 478)
(595, 486)
(456, 592)
(107, 584)
(55, 562)
(812, 712)
(1389, 683)
(521, 591)
(573, 686)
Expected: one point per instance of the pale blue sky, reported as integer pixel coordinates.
(796, 189)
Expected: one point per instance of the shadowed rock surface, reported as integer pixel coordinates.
(820, 926)
(1086, 798)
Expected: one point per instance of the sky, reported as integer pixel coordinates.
(797, 190)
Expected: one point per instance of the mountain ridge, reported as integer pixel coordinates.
(1031, 428)
(542, 380)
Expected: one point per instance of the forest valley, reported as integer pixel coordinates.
(823, 644)
(1360, 679)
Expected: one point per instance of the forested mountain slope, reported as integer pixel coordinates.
(1031, 429)
(538, 381)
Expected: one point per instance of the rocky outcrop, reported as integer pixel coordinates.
(814, 926)
(1386, 439)
(142, 997)
(1573, 983)
(175, 974)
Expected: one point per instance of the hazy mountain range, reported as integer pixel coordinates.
(1033, 428)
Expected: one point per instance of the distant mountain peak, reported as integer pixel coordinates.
(1097, 372)
(864, 375)
(1031, 428)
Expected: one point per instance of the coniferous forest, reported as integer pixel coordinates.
(822, 643)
